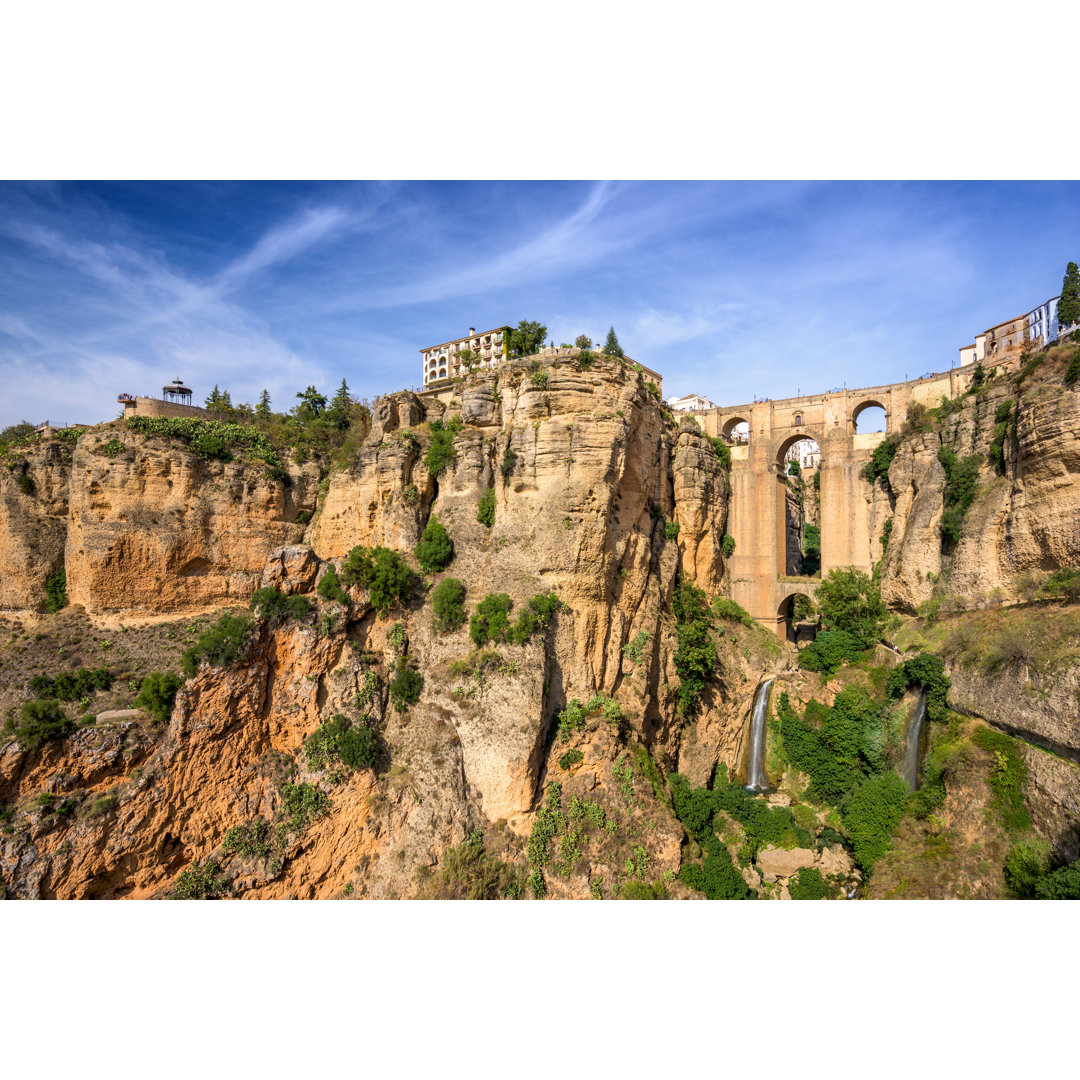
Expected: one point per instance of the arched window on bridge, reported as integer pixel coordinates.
(737, 431)
(799, 616)
(869, 417)
(798, 510)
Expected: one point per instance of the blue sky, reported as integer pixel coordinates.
(733, 290)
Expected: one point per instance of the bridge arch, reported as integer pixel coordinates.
(868, 403)
(788, 612)
(736, 429)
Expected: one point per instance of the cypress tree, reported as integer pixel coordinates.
(611, 345)
(1069, 304)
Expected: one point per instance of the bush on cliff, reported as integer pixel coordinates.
(448, 603)
(405, 688)
(329, 587)
(440, 453)
(485, 512)
(383, 573)
(1026, 864)
(219, 644)
(695, 658)
(490, 621)
(468, 872)
(271, 603)
(829, 651)
(1063, 884)
(41, 722)
(849, 600)
(157, 694)
(72, 685)
(873, 811)
(435, 549)
(56, 598)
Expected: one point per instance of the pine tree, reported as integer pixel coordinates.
(1069, 304)
(311, 401)
(214, 400)
(262, 410)
(338, 413)
(611, 345)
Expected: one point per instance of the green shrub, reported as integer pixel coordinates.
(723, 608)
(849, 600)
(877, 468)
(485, 512)
(570, 759)
(210, 439)
(722, 881)
(435, 548)
(252, 840)
(961, 479)
(1026, 864)
(727, 545)
(26, 485)
(874, 810)
(200, 882)
(330, 586)
(723, 453)
(508, 462)
(1063, 884)
(41, 722)
(1007, 778)
(539, 380)
(996, 453)
(535, 616)
(441, 453)
(695, 658)
(550, 821)
(220, 644)
(642, 890)
(448, 603)
(358, 747)
(829, 650)
(468, 872)
(72, 685)
(1072, 372)
(925, 670)
(56, 598)
(383, 573)
(405, 688)
(302, 804)
(157, 694)
(811, 550)
(491, 622)
(671, 530)
(808, 884)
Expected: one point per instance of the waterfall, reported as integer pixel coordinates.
(756, 779)
(909, 770)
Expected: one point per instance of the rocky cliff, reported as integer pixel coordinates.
(597, 499)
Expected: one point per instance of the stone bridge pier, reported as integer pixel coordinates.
(848, 516)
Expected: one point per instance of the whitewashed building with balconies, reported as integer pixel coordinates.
(445, 361)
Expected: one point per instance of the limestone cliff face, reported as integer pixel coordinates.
(154, 529)
(1026, 519)
(33, 524)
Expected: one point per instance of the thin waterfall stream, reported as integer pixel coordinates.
(909, 769)
(757, 779)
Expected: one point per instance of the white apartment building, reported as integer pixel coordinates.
(444, 361)
(1040, 325)
(690, 403)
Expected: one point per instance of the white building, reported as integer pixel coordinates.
(1039, 326)
(690, 403)
(489, 348)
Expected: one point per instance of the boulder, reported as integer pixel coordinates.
(783, 863)
(291, 569)
(778, 798)
(835, 860)
(116, 716)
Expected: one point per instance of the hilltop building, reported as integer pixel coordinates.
(1039, 327)
(690, 403)
(175, 400)
(444, 361)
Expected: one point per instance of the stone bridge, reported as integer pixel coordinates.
(757, 519)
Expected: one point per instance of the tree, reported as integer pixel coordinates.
(583, 341)
(1069, 304)
(340, 407)
(527, 337)
(311, 402)
(849, 600)
(435, 548)
(220, 400)
(611, 344)
(448, 603)
(262, 410)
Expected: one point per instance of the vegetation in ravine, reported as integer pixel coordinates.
(383, 573)
(695, 658)
(220, 644)
(435, 549)
(448, 604)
